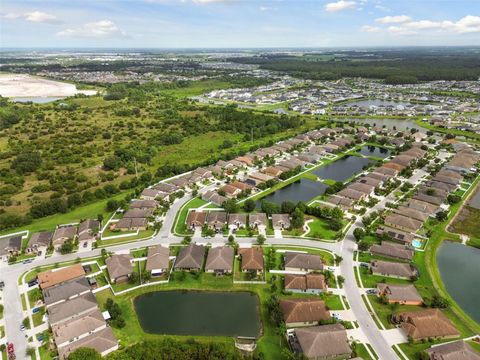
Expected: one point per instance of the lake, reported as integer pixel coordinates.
(376, 151)
(343, 168)
(377, 102)
(459, 267)
(203, 313)
(399, 124)
(36, 100)
(301, 190)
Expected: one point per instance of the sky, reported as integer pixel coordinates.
(237, 23)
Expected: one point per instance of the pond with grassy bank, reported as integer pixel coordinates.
(203, 313)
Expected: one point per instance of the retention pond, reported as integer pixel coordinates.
(459, 267)
(201, 313)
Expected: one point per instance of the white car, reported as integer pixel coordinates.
(337, 316)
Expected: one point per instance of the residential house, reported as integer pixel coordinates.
(131, 224)
(88, 230)
(103, 342)
(214, 198)
(324, 342)
(216, 220)
(402, 294)
(39, 241)
(396, 235)
(405, 223)
(309, 283)
(196, 219)
(68, 310)
(10, 246)
(54, 277)
(237, 221)
(457, 350)
(273, 171)
(252, 259)
(412, 213)
(230, 191)
(393, 250)
(368, 190)
(158, 260)
(280, 221)
(393, 269)
(302, 262)
(426, 324)
(190, 258)
(352, 194)
(144, 204)
(258, 221)
(303, 312)
(65, 291)
(119, 268)
(63, 234)
(220, 260)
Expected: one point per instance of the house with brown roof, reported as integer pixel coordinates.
(158, 260)
(63, 234)
(273, 171)
(457, 350)
(396, 235)
(393, 166)
(213, 197)
(361, 187)
(65, 291)
(393, 250)
(220, 260)
(190, 258)
(143, 204)
(426, 324)
(382, 170)
(88, 230)
(281, 221)
(104, 342)
(305, 284)
(403, 160)
(230, 191)
(261, 176)
(69, 331)
(401, 294)
(393, 269)
(119, 268)
(241, 185)
(412, 213)
(303, 312)
(295, 261)
(54, 277)
(252, 259)
(324, 342)
(237, 221)
(131, 224)
(402, 222)
(150, 194)
(370, 180)
(258, 220)
(216, 220)
(196, 219)
(39, 241)
(351, 194)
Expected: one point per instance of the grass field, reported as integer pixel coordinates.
(320, 229)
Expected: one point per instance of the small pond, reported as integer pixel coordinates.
(459, 267)
(203, 313)
(343, 168)
(398, 124)
(301, 190)
(375, 151)
(36, 100)
(377, 102)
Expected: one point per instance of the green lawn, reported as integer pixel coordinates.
(370, 280)
(37, 317)
(384, 311)
(141, 235)
(361, 351)
(320, 229)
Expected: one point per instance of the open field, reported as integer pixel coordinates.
(15, 85)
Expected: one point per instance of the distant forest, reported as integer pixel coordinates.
(395, 66)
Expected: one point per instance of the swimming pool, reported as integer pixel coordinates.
(417, 244)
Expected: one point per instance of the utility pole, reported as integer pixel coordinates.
(251, 136)
(136, 171)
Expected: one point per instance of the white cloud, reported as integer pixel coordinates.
(393, 19)
(467, 24)
(34, 16)
(370, 29)
(398, 30)
(95, 30)
(41, 17)
(212, 1)
(267, 8)
(339, 5)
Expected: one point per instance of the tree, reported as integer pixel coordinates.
(442, 216)
(297, 219)
(358, 233)
(287, 207)
(112, 205)
(340, 280)
(269, 207)
(27, 162)
(363, 246)
(84, 354)
(231, 239)
(261, 239)
(249, 205)
(439, 302)
(230, 206)
(30, 351)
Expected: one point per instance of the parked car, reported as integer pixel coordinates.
(22, 327)
(371, 291)
(2, 284)
(32, 282)
(35, 310)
